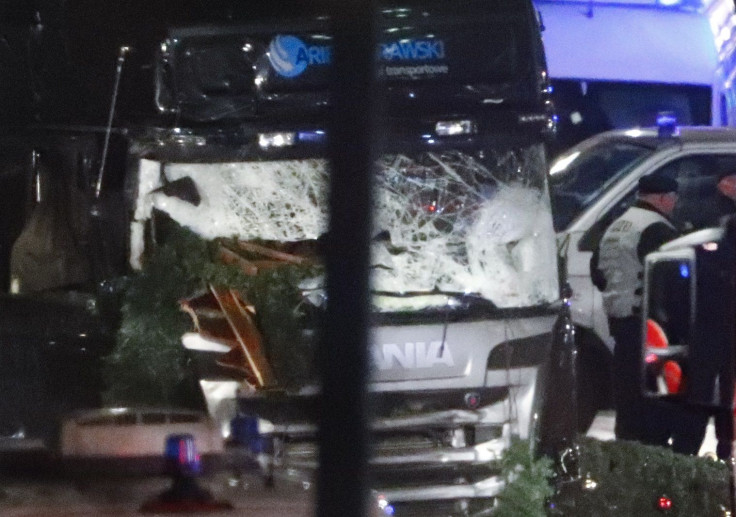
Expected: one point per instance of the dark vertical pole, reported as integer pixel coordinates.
(342, 480)
(728, 378)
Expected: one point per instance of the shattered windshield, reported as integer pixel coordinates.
(445, 222)
(579, 176)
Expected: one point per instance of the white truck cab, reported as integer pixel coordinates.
(592, 184)
(616, 64)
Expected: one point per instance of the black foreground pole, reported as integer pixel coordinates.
(729, 374)
(342, 487)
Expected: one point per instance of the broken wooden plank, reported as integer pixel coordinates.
(246, 334)
(271, 253)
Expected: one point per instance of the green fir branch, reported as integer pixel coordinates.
(149, 366)
(527, 480)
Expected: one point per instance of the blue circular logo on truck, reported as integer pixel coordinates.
(286, 54)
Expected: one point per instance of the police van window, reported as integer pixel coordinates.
(699, 204)
(670, 304)
(587, 177)
(698, 201)
(590, 239)
(689, 172)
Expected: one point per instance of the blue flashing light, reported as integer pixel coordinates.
(311, 136)
(388, 510)
(666, 124)
(684, 270)
(181, 455)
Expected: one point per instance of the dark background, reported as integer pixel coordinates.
(58, 57)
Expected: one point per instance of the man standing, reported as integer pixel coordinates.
(643, 228)
(724, 209)
(726, 199)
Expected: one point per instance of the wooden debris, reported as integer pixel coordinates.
(257, 249)
(229, 257)
(261, 257)
(221, 315)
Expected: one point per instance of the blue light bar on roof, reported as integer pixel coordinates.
(666, 124)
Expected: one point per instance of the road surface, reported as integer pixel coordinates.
(53, 495)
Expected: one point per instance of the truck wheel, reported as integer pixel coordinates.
(593, 379)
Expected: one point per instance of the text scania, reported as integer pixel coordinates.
(412, 355)
(420, 50)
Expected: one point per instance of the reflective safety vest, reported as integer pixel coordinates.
(619, 260)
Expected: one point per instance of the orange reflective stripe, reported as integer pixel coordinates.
(656, 338)
(672, 376)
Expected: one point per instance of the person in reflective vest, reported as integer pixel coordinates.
(618, 267)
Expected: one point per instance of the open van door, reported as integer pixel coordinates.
(689, 333)
(687, 354)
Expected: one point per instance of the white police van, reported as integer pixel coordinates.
(592, 184)
(616, 64)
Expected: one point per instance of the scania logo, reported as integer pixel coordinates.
(412, 355)
(290, 56)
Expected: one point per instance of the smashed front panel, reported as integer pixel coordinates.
(444, 222)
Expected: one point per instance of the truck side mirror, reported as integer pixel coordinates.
(688, 320)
